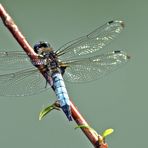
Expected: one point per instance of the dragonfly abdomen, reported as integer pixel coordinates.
(61, 93)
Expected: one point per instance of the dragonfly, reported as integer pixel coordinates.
(81, 60)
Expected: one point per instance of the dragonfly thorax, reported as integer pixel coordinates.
(46, 55)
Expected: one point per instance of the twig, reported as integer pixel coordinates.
(9, 23)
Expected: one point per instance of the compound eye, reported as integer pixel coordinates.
(39, 45)
(45, 44)
(36, 47)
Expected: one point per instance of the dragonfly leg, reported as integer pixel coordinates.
(62, 69)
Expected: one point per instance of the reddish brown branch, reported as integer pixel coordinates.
(9, 23)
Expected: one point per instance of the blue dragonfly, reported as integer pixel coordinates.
(81, 60)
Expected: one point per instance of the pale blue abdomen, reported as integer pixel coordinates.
(61, 93)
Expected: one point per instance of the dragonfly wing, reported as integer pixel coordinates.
(91, 43)
(14, 60)
(22, 83)
(88, 69)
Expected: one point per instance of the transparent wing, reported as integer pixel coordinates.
(14, 60)
(26, 82)
(91, 43)
(88, 69)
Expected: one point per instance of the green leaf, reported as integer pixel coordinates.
(47, 110)
(104, 134)
(86, 126)
(82, 126)
(107, 132)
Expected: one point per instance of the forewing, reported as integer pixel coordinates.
(26, 82)
(92, 68)
(13, 60)
(91, 43)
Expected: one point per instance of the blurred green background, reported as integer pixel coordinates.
(118, 100)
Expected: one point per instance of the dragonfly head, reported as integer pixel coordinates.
(41, 44)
